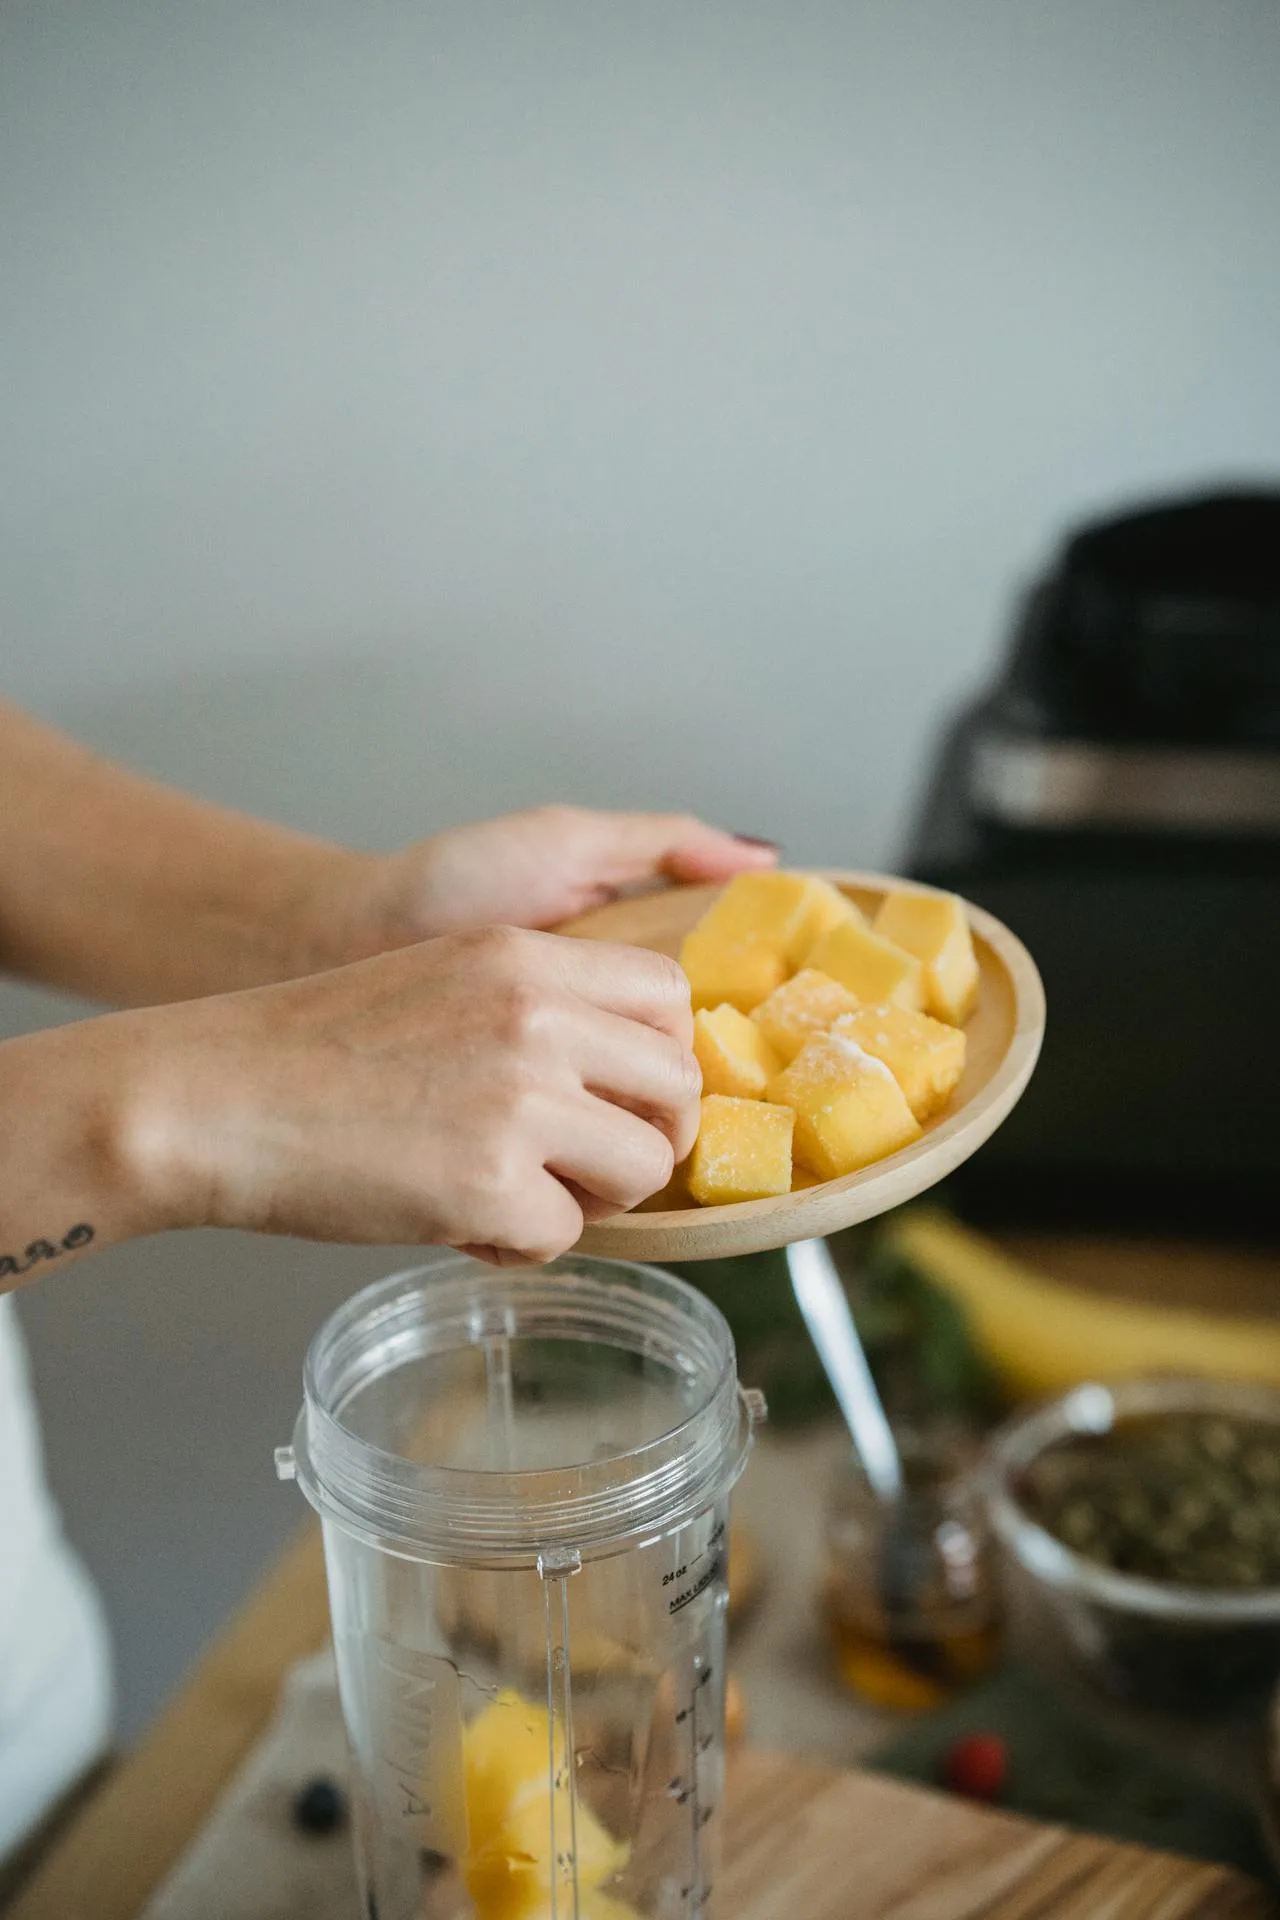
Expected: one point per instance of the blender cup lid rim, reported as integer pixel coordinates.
(596, 1505)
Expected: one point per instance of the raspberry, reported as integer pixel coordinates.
(977, 1766)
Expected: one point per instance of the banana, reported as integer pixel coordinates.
(1040, 1337)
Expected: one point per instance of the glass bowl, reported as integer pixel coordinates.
(1150, 1643)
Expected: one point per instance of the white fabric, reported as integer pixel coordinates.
(55, 1666)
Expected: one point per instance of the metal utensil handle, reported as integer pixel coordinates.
(821, 1299)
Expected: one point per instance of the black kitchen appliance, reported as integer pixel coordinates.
(1115, 797)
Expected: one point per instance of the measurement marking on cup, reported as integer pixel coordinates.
(700, 1585)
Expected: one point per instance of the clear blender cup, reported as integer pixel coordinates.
(524, 1480)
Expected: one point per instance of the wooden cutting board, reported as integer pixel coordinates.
(807, 1842)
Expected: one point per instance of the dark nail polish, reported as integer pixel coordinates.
(754, 840)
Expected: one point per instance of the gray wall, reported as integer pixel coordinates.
(410, 411)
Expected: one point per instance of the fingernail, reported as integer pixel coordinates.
(754, 840)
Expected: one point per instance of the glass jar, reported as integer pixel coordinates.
(910, 1587)
(524, 1481)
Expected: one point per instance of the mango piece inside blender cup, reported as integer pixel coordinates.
(849, 1109)
(935, 928)
(734, 1055)
(508, 1755)
(742, 1152)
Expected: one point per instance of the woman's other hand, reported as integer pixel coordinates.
(532, 869)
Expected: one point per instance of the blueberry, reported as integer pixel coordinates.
(320, 1806)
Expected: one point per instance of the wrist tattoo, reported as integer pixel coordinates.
(13, 1264)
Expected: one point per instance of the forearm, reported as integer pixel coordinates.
(79, 1170)
(119, 888)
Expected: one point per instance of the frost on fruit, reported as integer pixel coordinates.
(734, 1055)
(925, 1056)
(849, 1108)
(743, 1151)
(810, 1002)
(781, 961)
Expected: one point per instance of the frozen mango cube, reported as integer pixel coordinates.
(742, 1152)
(503, 1749)
(935, 927)
(733, 1053)
(808, 1003)
(718, 970)
(516, 1782)
(871, 967)
(526, 1836)
(802, 1178)
(925, 1056)
(849, 1108)
(785, 911)
(502, 1891)
(767, 909)
(824, 907)
(513, 1887)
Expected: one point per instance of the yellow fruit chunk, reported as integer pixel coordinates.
(742, 974)
(849, 1108)
(925, 1056)
(784, 911)
(503, 1749)
(871, 967)
(508, 1767)
(802, 1178)
(743, 1151)
(808, 1003)
(502, 1892)
(734, 1056)
(766, 909)
(824, 907)
(935, 928)
(526, 1837)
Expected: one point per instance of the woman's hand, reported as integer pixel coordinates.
(122, 890)
(487, 1090)
(530, 869)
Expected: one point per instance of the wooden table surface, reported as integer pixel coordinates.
(802, 1837)
(911, 1855)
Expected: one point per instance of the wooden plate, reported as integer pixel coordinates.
(1004, 1037)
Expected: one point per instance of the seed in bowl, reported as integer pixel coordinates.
(1193, 1499)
